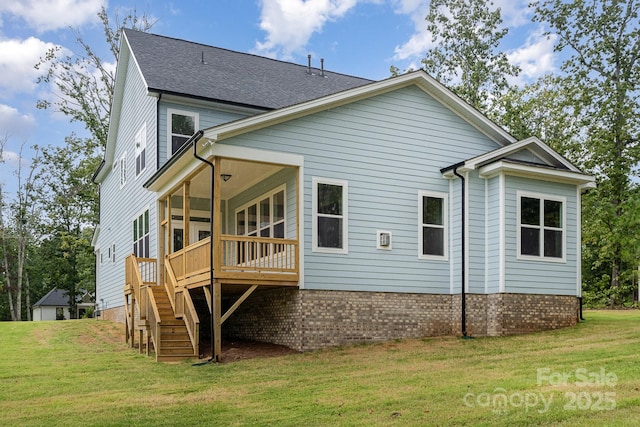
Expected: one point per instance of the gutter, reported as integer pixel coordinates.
(463, 255)
(195, 139)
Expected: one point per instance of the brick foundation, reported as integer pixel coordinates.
(312, 319)
(116, 314)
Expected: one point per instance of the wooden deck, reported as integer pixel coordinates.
(163, 303)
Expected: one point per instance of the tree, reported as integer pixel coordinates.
(603, 39)
(86, 81)
(70, 214)
(18, 222)
(547, 109)
(465, 57)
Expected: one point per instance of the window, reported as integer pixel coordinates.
(263, 217)
(433, 225)
(330, 215)
(182, 125)
(113, 252)
(541, 226)
(122, 164)
(141, 235)
(141, 149)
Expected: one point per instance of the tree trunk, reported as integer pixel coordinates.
(27, 296)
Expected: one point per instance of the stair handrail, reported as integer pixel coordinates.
(154, 320)
(192, 321)
(170, 283)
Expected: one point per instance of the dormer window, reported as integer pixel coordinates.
(182, 125)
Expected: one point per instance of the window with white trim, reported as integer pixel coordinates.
(262, 217)
(181, 126)
(141, 149)
(541, 226)
(330, 219)
(122, 164)
(433, 233)
(113, 252)
(141, 235)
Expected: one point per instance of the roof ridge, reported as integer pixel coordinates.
(129, 30)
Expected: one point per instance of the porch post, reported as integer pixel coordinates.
(186, 212)
(217, 286)
(217, 320)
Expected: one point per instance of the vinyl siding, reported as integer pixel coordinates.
(492, 235)
(540, 277)
(207, 117)
(118, 207)
(387, 148)
(475, 234)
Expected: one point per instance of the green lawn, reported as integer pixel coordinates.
(81, 373)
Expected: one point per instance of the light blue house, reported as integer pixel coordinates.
(284, 203)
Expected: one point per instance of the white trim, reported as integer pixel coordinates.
(140, 145)
(256, 201)
(451, 266)
(445, 226)
(418, 78)
(466, 230)
(300, 225)
(378, 245)
(502, 232)
(542, 197)
(486, 236)
(187, 113)
(122, 170)
(535, 172)
(135, 218)
(345, 215)
(578, 241)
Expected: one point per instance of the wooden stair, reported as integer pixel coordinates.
(175, 344)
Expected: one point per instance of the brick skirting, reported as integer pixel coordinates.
(115, 314)
(311, 319)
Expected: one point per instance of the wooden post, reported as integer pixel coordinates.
(217, 320)
(216, 216)
(186, 213)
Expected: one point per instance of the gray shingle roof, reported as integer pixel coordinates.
(175, 66)
(57, 297)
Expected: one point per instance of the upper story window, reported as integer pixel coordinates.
(141, 149)
(433, 235)
(541, 226)
(182, 125)
(122, 165)
(330, 219)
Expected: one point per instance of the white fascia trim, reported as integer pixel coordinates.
(502, 234)
(96, 235)
(255, 155)
(517, 146)
(419, 78)
(567, 177)
(116, 106)
(578, 242)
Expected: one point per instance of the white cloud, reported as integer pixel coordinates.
(15, 124)
(17, 64)
(515, 13)
(45, 15)
(536, 57)
(421, 39)
(289, 24)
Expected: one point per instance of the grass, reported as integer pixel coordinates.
(81, 373)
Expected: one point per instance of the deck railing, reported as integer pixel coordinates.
(258, 255)
(140, 273)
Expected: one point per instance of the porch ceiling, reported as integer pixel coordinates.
(244, 175)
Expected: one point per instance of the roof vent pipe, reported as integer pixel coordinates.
(322, 67)
(309, 64)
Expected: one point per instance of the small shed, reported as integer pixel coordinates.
(55, 306)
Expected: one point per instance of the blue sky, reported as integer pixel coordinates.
(358, 37)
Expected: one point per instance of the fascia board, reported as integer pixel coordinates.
(419, 78)
(567, 177)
